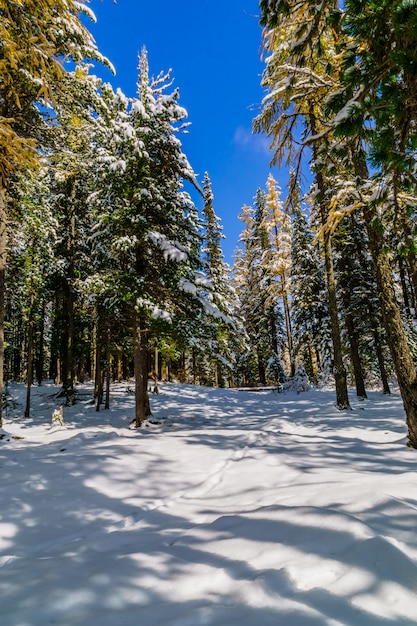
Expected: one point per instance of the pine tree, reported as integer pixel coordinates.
(71, 163)
(146, 222)
(261, 316)
(309, 312)
(31, 258)
(277, 258)
(218, 273)
(300, 71)
(35, 36)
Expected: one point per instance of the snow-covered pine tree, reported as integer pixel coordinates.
(71, 162)
(377, 72)
(301, 69)
(36, 35)
(277, 260)
(262, 318)
(309, 310)
(300, 381)
(31, 257)
(145, 219)
(218, 273)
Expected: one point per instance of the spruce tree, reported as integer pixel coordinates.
(277, 259)
(309, 311)
(262, 319)
(298, 78)
(36, 35)
(146, 221)
(218, 272)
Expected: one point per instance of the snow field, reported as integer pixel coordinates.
(234, 508)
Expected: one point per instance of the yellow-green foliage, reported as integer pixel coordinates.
(36, 36)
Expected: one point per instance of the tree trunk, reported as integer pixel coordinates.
(394, 327)
(108, 336)
(3, 252)
(404, 286)
(119, 367)
(194, 361)
(29, 360)
(381, 362)
(40, 360)
(54, 342)
(391, 314)
(342, 398)
(289, 332)
(220, 379)
(156, 371)
(355, 356)
(142, 406)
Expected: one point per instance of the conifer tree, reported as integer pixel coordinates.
(262, 319)
(71, 163)
(145, 220)
(218, 273)
(36, 35)
(298, 78)
(277, 258)
(31, 260)
(309, 312)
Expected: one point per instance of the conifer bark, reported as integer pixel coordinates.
(40, 358)
(381, 362)
(339, 372)
(3, 251)
(396, 336)
(108, 372)
(355, 356)
(288, 328)
(142, 405)
(29, 359)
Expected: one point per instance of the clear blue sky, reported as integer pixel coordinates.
(213, 49)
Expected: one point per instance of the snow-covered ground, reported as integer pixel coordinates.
(237, 508)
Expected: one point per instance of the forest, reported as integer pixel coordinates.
(109, 270)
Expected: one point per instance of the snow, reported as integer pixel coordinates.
(173, 250)
(230, 508)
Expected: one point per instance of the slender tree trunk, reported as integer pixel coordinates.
(381, 362)
(261, 370)
(289, 332)
(194, 361)
(29, 360)
(342, 398)
(404, 286)
(99, 384)
(69, 385)
(220, 380)
(168, 365)
(156, 370)
(40, 360)
(3, 252)
(54, 342)
(108, 357)
(142, 406)
(355, 356)
(98, 378)
(119, 367)
(215, 373)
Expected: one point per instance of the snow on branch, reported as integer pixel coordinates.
(172, 250)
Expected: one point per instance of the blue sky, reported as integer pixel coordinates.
(213, 49)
